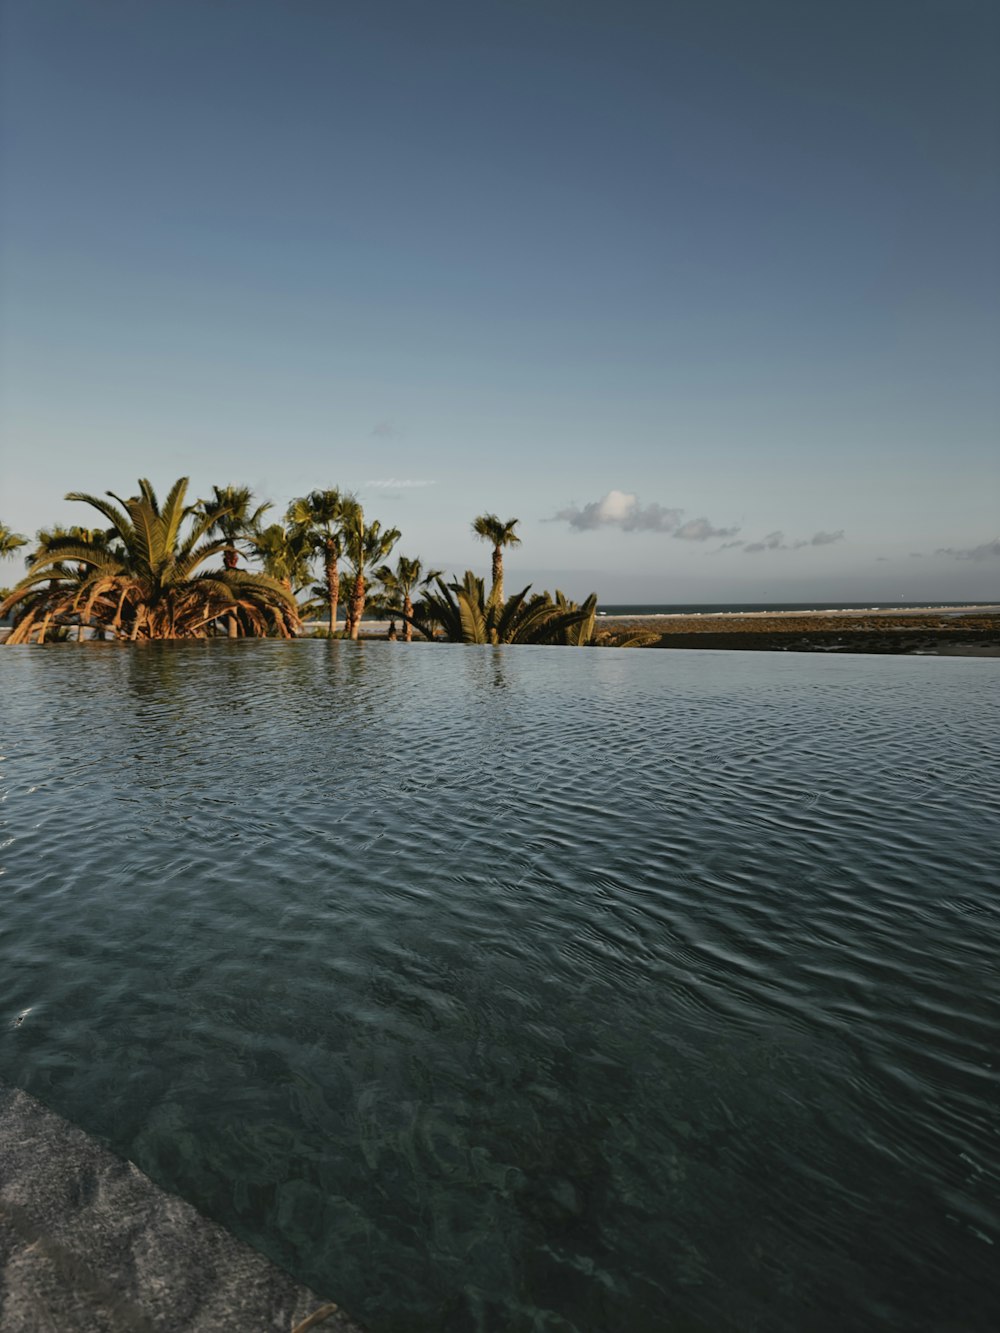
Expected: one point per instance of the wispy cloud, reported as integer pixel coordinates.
(984, 551)
(700, 530)
(820, 539)
(622, 509)
(384, 430)
(396, 484)
(775, 541)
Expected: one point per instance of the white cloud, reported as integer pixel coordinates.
(621, 509)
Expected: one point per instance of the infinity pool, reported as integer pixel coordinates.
(524, 988)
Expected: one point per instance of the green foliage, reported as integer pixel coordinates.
(318, 519)
(141, 578)
(142, 573)
(321, 514)
(367, 545)
(401, 583)
(464, 614)
(233, 517)
(285, 552)
(10, 540)
(490, 528)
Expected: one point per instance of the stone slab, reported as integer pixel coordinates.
(89, 1244)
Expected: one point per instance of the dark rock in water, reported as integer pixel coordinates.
(89, 1243)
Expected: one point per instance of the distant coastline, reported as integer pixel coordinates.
(947, 630)
(644, 610)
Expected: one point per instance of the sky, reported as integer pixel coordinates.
(706, 294)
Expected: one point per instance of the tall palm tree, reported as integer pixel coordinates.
(367, 544)
(400, 584)
(10, 540)
(320, 515)
(467, 615)
(141, 578)
(489, 528)
(233, 518)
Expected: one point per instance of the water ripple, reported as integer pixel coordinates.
(527, 989)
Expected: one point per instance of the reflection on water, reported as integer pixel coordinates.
(503, 989)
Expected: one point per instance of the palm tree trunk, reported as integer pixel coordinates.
(407, 611)
(332, 592)
(230, 559)
(357, 604)
(116, 624)
(498, 573)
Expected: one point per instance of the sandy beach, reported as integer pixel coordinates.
(938, 631)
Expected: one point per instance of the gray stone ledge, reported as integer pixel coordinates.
(89, 1244)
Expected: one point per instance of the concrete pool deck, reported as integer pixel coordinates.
(89, 1243)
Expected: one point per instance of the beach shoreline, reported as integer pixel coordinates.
(972, 631)
(970, 608)
(941, 631)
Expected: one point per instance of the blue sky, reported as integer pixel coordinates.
(706, 294)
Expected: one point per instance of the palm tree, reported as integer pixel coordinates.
(46, 538)
(489, 528)
(233, 519)
(10, 540)
(141, 578)
(582, 633)
(367, 545)
(399, 585)
(285, 552)
(467, 615)
(320, 515)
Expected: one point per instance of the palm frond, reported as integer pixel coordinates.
(118, 518)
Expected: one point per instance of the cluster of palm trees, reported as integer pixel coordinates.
(145, 574)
